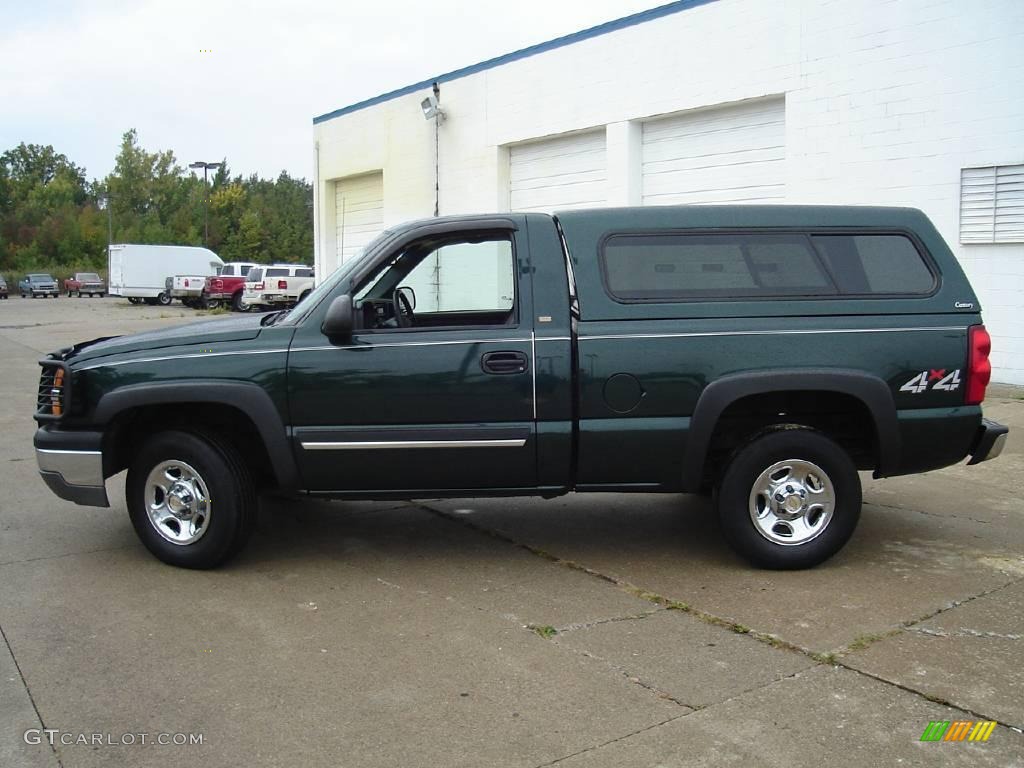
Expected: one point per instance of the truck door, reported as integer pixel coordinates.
(435, 390)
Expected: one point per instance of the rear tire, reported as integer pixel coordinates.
(164, 299)
(789, 499)
(236, 302)
(190, 499)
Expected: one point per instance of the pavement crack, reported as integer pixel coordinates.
(964, 632)
(28, 692)
(943, 515)
(610, 620)
(624, 736)
(926, 696)
(65, 554)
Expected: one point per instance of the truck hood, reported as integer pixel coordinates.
(205, 332)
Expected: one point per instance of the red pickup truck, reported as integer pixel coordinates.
(226, 286)
(85, 284)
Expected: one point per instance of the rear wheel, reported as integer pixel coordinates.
(236, 302)
(164, 299)
(789, 499)
(190, 499)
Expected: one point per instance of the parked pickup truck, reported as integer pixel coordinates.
(188, 289)
(85, 284)
(227, 286)
(277, 285)
(764, 352)
(38, 284)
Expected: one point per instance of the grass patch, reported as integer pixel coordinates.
(221, 310)
(863, 641)
(546, 631)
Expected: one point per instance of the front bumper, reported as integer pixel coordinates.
(71, 465)
(988, 442)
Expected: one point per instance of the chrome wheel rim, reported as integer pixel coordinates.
(792, 502)
(177, 502)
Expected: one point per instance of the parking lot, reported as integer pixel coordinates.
(590, 630)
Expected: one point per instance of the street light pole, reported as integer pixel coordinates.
(206, 195)
(110, 223)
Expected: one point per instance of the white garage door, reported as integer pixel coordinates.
(722, 155)
(559, 173)
(359, 213)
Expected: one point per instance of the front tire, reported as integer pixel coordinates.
(789, 499)
(190, 499)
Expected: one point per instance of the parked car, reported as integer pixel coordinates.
(276, 285)
(85, 283)
(188, 289)
(767, 353)
(139, 272)
(227, 286)
(38, 284)
(3, 287)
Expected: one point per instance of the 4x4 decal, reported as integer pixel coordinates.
(943, 381)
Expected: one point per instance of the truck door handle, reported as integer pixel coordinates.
(504, 362)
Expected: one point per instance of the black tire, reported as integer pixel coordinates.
(236, 302)
(164, 299)
(736, 499)
(232, 509)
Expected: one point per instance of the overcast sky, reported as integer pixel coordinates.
(79, 74)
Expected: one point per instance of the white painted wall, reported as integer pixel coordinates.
(885, 102)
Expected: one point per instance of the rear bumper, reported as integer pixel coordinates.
(988, 442)
(71, 465)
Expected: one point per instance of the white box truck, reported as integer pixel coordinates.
(139, 272)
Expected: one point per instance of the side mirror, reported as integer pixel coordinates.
(340, 319)
(410, 295)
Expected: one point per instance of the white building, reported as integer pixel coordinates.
(901, 102)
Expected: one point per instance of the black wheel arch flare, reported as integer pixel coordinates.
(872, 391)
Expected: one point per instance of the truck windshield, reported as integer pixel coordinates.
(332, 280)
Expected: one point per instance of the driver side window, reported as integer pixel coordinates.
(443, 283)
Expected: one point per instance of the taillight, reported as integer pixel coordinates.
(979, 368)
(186, 282)
(282, 285)
(217, 285)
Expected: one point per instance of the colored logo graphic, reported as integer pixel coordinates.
(958, 730)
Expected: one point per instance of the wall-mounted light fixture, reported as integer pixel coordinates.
(432, 109)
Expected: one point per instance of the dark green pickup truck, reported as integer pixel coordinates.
(764, 354)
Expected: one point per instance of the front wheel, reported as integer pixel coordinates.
(789, 499)
(191, 499)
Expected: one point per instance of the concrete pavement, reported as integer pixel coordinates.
(585, 631)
